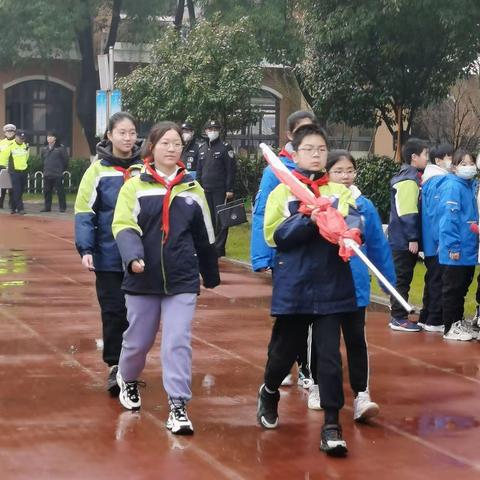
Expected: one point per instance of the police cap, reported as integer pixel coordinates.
(213, 124)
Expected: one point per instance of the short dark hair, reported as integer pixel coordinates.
(459, 155)
(294, 118)
(432, 154)
(336, 155)
(443, 150)
(306, 130)
(411, 147)
(156, 133)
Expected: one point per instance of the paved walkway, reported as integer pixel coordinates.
(57, 422)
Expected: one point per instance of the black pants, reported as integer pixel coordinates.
(404, 262)
(431, 312)
(19, 182)
(214, 198)
(114, 314)
(477, 295)
(456, 280)
(50, 183)
(288, 337)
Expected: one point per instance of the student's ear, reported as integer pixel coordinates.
(289, 135)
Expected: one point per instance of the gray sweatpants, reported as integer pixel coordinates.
(144, 313)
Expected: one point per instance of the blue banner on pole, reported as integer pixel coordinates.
(101, 123)
(115, 101)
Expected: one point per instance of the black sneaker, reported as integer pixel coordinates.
(332, 442)
(178, 421)
(267, 408)
(129, 396)
(112, 385)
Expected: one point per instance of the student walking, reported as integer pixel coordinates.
(404, 229)
(341, 168)
(118, 158)
(163, 230)
(435, 174)
(311, 285)
(458, 242)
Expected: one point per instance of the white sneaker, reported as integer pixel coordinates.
(471, 327)
(434, 328)
(129, 396)
(458, 332)
(178, 421)
(287, 381)
(314, 398)
(364, 408)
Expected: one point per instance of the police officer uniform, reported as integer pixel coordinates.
(216, 170)
(190, 151)
(4, 154)
(17, 167)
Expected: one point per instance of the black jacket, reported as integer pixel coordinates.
(190, 155)
(216, 166)
(55, 161)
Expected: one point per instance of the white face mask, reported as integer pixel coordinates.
(448, 165)
(187, 136)
(466, 172)
(212, 135)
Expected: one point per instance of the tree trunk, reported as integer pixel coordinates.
(87, 86)
(114, 24)
(191, 13)
(179, 15)
(398, 151)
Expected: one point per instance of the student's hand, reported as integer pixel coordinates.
(313, 215)
(87, 262)
(229, 195)
(413, 247)
(137, 266)
(454, 255)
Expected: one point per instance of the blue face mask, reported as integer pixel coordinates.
(466, 172)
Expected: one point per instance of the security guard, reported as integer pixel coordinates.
(216, 170)
(9, 132)
(190, 149)
(17, 167)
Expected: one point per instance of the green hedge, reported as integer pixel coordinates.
(373, 179)
(249, 173)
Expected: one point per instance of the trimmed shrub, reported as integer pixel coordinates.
(249, 173)
(373, 179)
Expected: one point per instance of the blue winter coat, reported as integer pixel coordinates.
(263, 256)
(457, 211)
(376, 248)
(404, 225)
(432, 181)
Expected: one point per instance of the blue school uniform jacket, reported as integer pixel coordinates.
(261, 255)
(309, 277)
(458, 210)
(432, 181)
(375, 247)
(404, 225)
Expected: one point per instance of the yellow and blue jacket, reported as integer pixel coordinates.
(172, 266)
(309, 277)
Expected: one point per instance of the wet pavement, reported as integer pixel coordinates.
(57, 422)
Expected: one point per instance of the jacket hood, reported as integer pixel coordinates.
(104, 153)
(355, 191)
(406, 172)
(432, 171)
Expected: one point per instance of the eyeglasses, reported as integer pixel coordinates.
(309, 149)
(342, 172)
(167, 145)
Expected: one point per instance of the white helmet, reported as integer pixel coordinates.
(9, 127)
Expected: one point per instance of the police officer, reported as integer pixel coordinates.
(190, 149)
(9, 132)
(216, 173)
(17, 168)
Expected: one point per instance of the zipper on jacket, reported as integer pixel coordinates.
(163, 265)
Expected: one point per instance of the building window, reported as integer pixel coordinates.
(265, 129)
(354, 139)
(38, 106)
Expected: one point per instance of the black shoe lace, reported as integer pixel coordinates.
(178, 409)
(132, 389)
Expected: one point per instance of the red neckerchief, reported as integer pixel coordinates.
(284, 153)
(313, 184)
(126, 172)
(169, 186)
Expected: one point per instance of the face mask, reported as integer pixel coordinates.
(213, 135)
(187, 137)
(467, 172)
(447, 164)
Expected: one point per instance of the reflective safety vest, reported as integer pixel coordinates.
(18, 157)
(5, 151)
